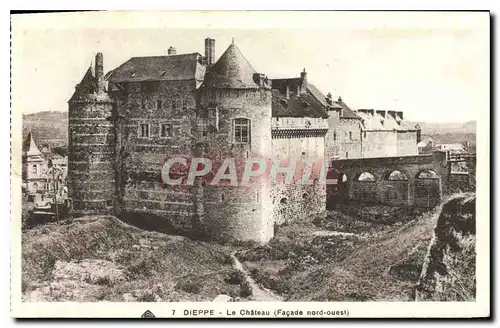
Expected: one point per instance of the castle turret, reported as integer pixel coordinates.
(236, 101)
(91, 144)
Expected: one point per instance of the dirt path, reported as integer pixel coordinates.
(259, 294)
(325, 233)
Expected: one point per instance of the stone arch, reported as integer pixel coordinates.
(427, 174)
(365, 176)
(305, 195)
(395, 175)
(395, 188)
(338, 192)
(283, 201)
(427, 188)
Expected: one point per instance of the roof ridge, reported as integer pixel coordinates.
(161, 56)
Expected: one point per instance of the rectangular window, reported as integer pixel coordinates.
(242, 130)
(184, 103)
(346, 154)
(165, 130)
(203, 128)
(144, 130)
(334, 135)
(174, 104)
(350, 135)
(158, 104)
(143, 102)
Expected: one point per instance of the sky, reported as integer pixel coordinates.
(433, 68)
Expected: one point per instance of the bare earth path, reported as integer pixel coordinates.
(259, 294)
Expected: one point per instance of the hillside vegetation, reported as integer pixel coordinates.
(49, 127)
(102, 258)
(359, 260)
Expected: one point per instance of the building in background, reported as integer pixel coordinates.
(385, 133)
(42, 172)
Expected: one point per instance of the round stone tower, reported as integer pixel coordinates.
(235, 105)
(91, 145)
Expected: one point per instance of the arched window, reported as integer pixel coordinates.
(305, 195)
(35, 186)
(397, 176)
(427, 174)
(35, 169)
(343, 178)
(366, 176)
(222, 197)
(241, 130)
(283, 200)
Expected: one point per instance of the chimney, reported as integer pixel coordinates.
(209, 51)
(367, 111)
(99, 72)
(172, 51)
(329, 99)
(287, 92)
(303, 78)
(381, 113)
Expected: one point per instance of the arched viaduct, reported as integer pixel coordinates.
(420, 180)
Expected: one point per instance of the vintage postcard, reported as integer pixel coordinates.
(250, 164)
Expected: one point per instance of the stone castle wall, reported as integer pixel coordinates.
(91, 155)
(168, 103)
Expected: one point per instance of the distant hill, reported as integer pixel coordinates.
(443, 128)
(49, 127)
(445, 133)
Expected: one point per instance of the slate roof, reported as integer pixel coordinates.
(86, 89)
(29, 146)
(232, 70)
(159, 68)
(347, 112)
(301, 105)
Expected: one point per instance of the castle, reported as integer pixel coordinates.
(124, 125)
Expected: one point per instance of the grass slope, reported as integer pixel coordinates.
(378, 262)
(102, 258)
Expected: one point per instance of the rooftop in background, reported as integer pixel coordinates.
(383, 120)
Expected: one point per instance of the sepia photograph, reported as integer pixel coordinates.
(299, 168)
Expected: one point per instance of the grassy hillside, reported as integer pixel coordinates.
(48, 127)
(102, 258)
(429, 128)
(357, 261)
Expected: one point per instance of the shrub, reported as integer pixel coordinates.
(189, 287)
(235, 278)
(103, 281)
(245, 289)
(147, 297)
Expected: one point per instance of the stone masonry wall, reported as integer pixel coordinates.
(246, 211)
(296, 201)
(173, 105)
(91, 156)
(380, 144)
